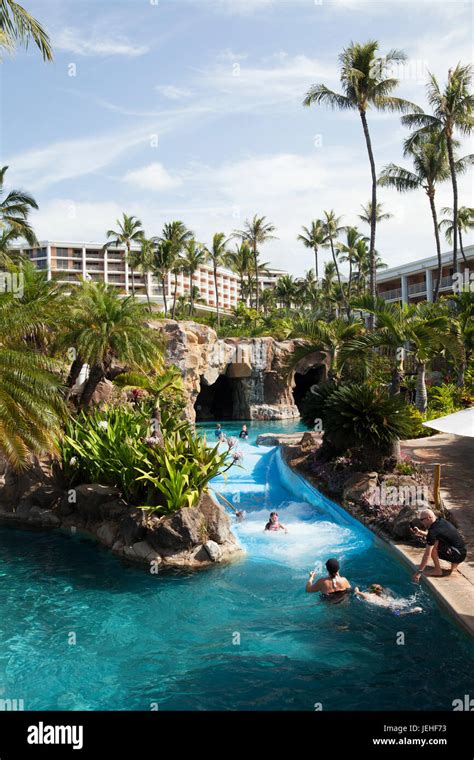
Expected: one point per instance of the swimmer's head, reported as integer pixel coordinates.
(376, 588)
(273, 516)
(332, 566)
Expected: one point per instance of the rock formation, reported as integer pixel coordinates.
(236, 378)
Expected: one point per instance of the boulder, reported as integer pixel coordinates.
(91, 496)
(213, 550)
(310, 441)
(141, 550)
(108, 533)
(183, 529)
(400, 526)
(103, 393)
(358, 484)
(217, 521)
(113, 510)
(133, 527)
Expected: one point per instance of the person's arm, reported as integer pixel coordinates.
(282, 527)
(310, 586)
(419, 532)
(424, 561)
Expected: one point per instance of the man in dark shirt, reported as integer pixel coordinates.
(443, 541)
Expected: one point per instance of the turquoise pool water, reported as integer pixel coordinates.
(255, 428)
(242, 636)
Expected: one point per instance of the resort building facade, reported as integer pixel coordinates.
(416, 281)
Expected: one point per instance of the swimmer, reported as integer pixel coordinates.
(218, 432)
(240, 515)
(273, 523)
(332, 584)
(244, 433)
(377, 595)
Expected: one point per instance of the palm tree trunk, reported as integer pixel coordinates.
(373, 215)
(421, 397)
(147, 290)
(242, 286)
(131, 269)
(449, 144)
(316, 261)
(163, 283)
(462, 247)
(217, 296)
(461, 372)
(337, 269)
(397, 377)
(175, 293)
(257, 292)
(249, 287)
(431, 194)
(96, 374)
(349, 290)
(191, 299)
(74, 371)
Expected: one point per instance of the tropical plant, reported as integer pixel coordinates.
(365, 83)
(452, 110)
(19, 27)
(255, 233)
(240, 262)
(286, 290)
(15, 208)
(353, 251)
(195, 256)
(129, 230)
(162, 265)
(145, 261)
(465, 222)
(314, 238)
(217, 256)
(380, 214)
(336, 337)
(177, 234)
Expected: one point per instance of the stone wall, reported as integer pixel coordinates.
(253, 371)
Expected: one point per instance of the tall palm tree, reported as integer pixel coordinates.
(332, 229)
(380, 214)
(314, 238)
(465, 224)
(15, 208)
(177, 234)
(19, 27)
(162, 265)
(129, 230)
(240, 262)
(267, 300)
(351, 252)
(452, 110)
(194, 257)
(431, 165)
(309, 289)
(255, 233)
(217, 255)
(145, 260)
(427, 335)
(105, 327)
(364, 83)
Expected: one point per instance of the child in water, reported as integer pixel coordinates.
(273, 523)
(377, 595)
(244, 433)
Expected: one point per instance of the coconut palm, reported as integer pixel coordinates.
(162, 265)
(465, 224)
(452, 110)
(268, 300)
(314, 238)
(18, 27)
(380, 214)
(103, 327)
(431, 165)
(309, 289)
(333, 228)
(217, 255)
(240, 262)
(365, 84)
(352, 251)
(286, 290)
(427, 335)
(177, 234)
(129, 230)
(144, 262)
(255, 233)
(335, 337)
(194, 257)
(15, 208)
(462, 326)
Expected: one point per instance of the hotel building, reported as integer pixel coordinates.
(416, 281)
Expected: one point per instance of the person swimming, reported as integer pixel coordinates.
(376, 594)
(273, 524)
(333, 587)
(218, 432)
(244, 433)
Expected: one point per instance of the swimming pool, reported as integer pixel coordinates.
(81, 631)
(255, 428)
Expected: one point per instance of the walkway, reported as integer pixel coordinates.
(456, 455)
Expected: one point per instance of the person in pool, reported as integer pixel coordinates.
(376, 594)
(244, 433)
(273, 524)
(218, 432)
(332, 584)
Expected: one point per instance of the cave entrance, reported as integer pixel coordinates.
(304, 380)
(219, 401)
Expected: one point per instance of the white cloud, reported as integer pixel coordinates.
(172, 92)
(152, 177)
(72, 40)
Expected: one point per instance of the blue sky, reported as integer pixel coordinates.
(191, 109)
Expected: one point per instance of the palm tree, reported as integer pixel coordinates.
(194, 258)
(380, 214)
(15, 209)
(240, 262)
(333, 228)
(365, 83)
(335, 337)
(19, 27)
(129, 231)
(286, 290)
(217, 255)
(427, 335)
(431, 165)
(267, 300)
(177, 234)
(255, 233)
(162, 264)
(465, 223)
(452, 110)
(145, 260)
(314, 238)
(105, 327)
(462, 308)
(328, 288)
(352, 251)
(309, 289)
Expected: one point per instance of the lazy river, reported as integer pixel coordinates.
(81, 631)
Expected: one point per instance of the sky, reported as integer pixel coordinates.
(192, 110)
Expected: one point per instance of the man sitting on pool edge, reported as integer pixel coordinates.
(443, 541)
